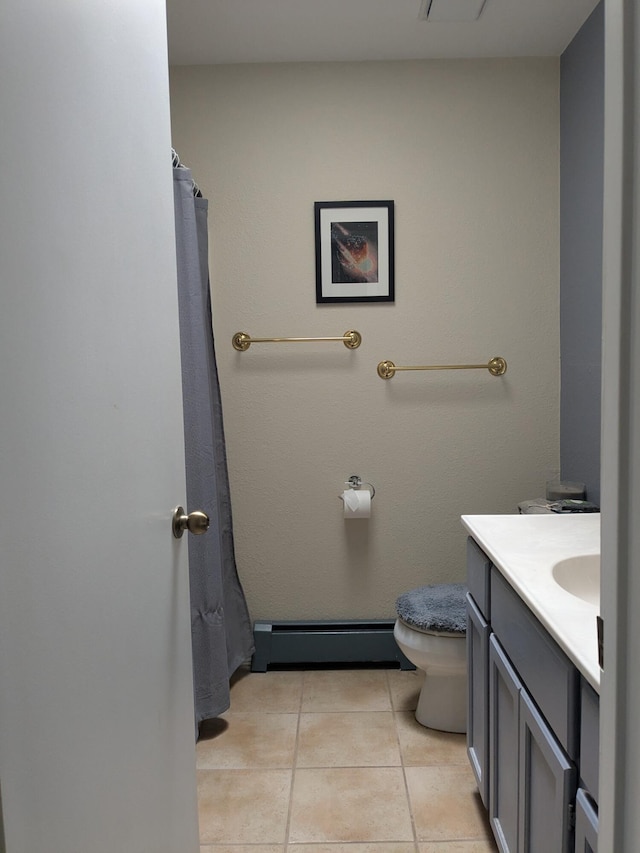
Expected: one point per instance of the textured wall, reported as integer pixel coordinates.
(469, 151)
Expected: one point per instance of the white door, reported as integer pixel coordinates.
(96, 708)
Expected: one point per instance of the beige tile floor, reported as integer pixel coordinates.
(333, 761)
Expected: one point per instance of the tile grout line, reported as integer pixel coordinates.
(293, 766)
(404, 775)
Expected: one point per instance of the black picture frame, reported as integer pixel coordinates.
(354, 251)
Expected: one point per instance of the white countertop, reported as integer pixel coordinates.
(525, 548)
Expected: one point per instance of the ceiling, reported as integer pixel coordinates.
(203, 32)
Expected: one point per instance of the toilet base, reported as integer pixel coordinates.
(442, 703)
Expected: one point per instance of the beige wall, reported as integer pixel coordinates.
(469, 151)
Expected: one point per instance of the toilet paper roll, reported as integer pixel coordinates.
(357, 503)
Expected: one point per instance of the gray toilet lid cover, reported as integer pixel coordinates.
(437, 607)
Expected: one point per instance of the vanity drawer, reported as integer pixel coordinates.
(542, 665)
(478, 578)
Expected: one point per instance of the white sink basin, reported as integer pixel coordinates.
(580, 576)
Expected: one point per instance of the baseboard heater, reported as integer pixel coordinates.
(327, 642)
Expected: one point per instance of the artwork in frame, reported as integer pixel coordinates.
(354, 251)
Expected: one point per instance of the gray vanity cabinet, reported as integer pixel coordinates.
(532, 723)
(532, 780)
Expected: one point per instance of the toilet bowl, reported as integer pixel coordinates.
(440, 654)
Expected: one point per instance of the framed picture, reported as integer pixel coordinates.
(354, 251)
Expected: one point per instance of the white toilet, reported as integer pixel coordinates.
(431, 633)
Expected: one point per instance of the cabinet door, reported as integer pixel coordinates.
(504, 719)
(547, 783)
(478, 697)
(586, 824)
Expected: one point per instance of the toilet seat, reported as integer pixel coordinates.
(431, 651)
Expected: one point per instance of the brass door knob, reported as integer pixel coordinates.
(195, 522)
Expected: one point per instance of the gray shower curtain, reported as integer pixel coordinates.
(222, 638)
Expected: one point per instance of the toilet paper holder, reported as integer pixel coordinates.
(355, 482)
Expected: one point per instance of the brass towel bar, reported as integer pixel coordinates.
(496, 367)
(241, 341)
